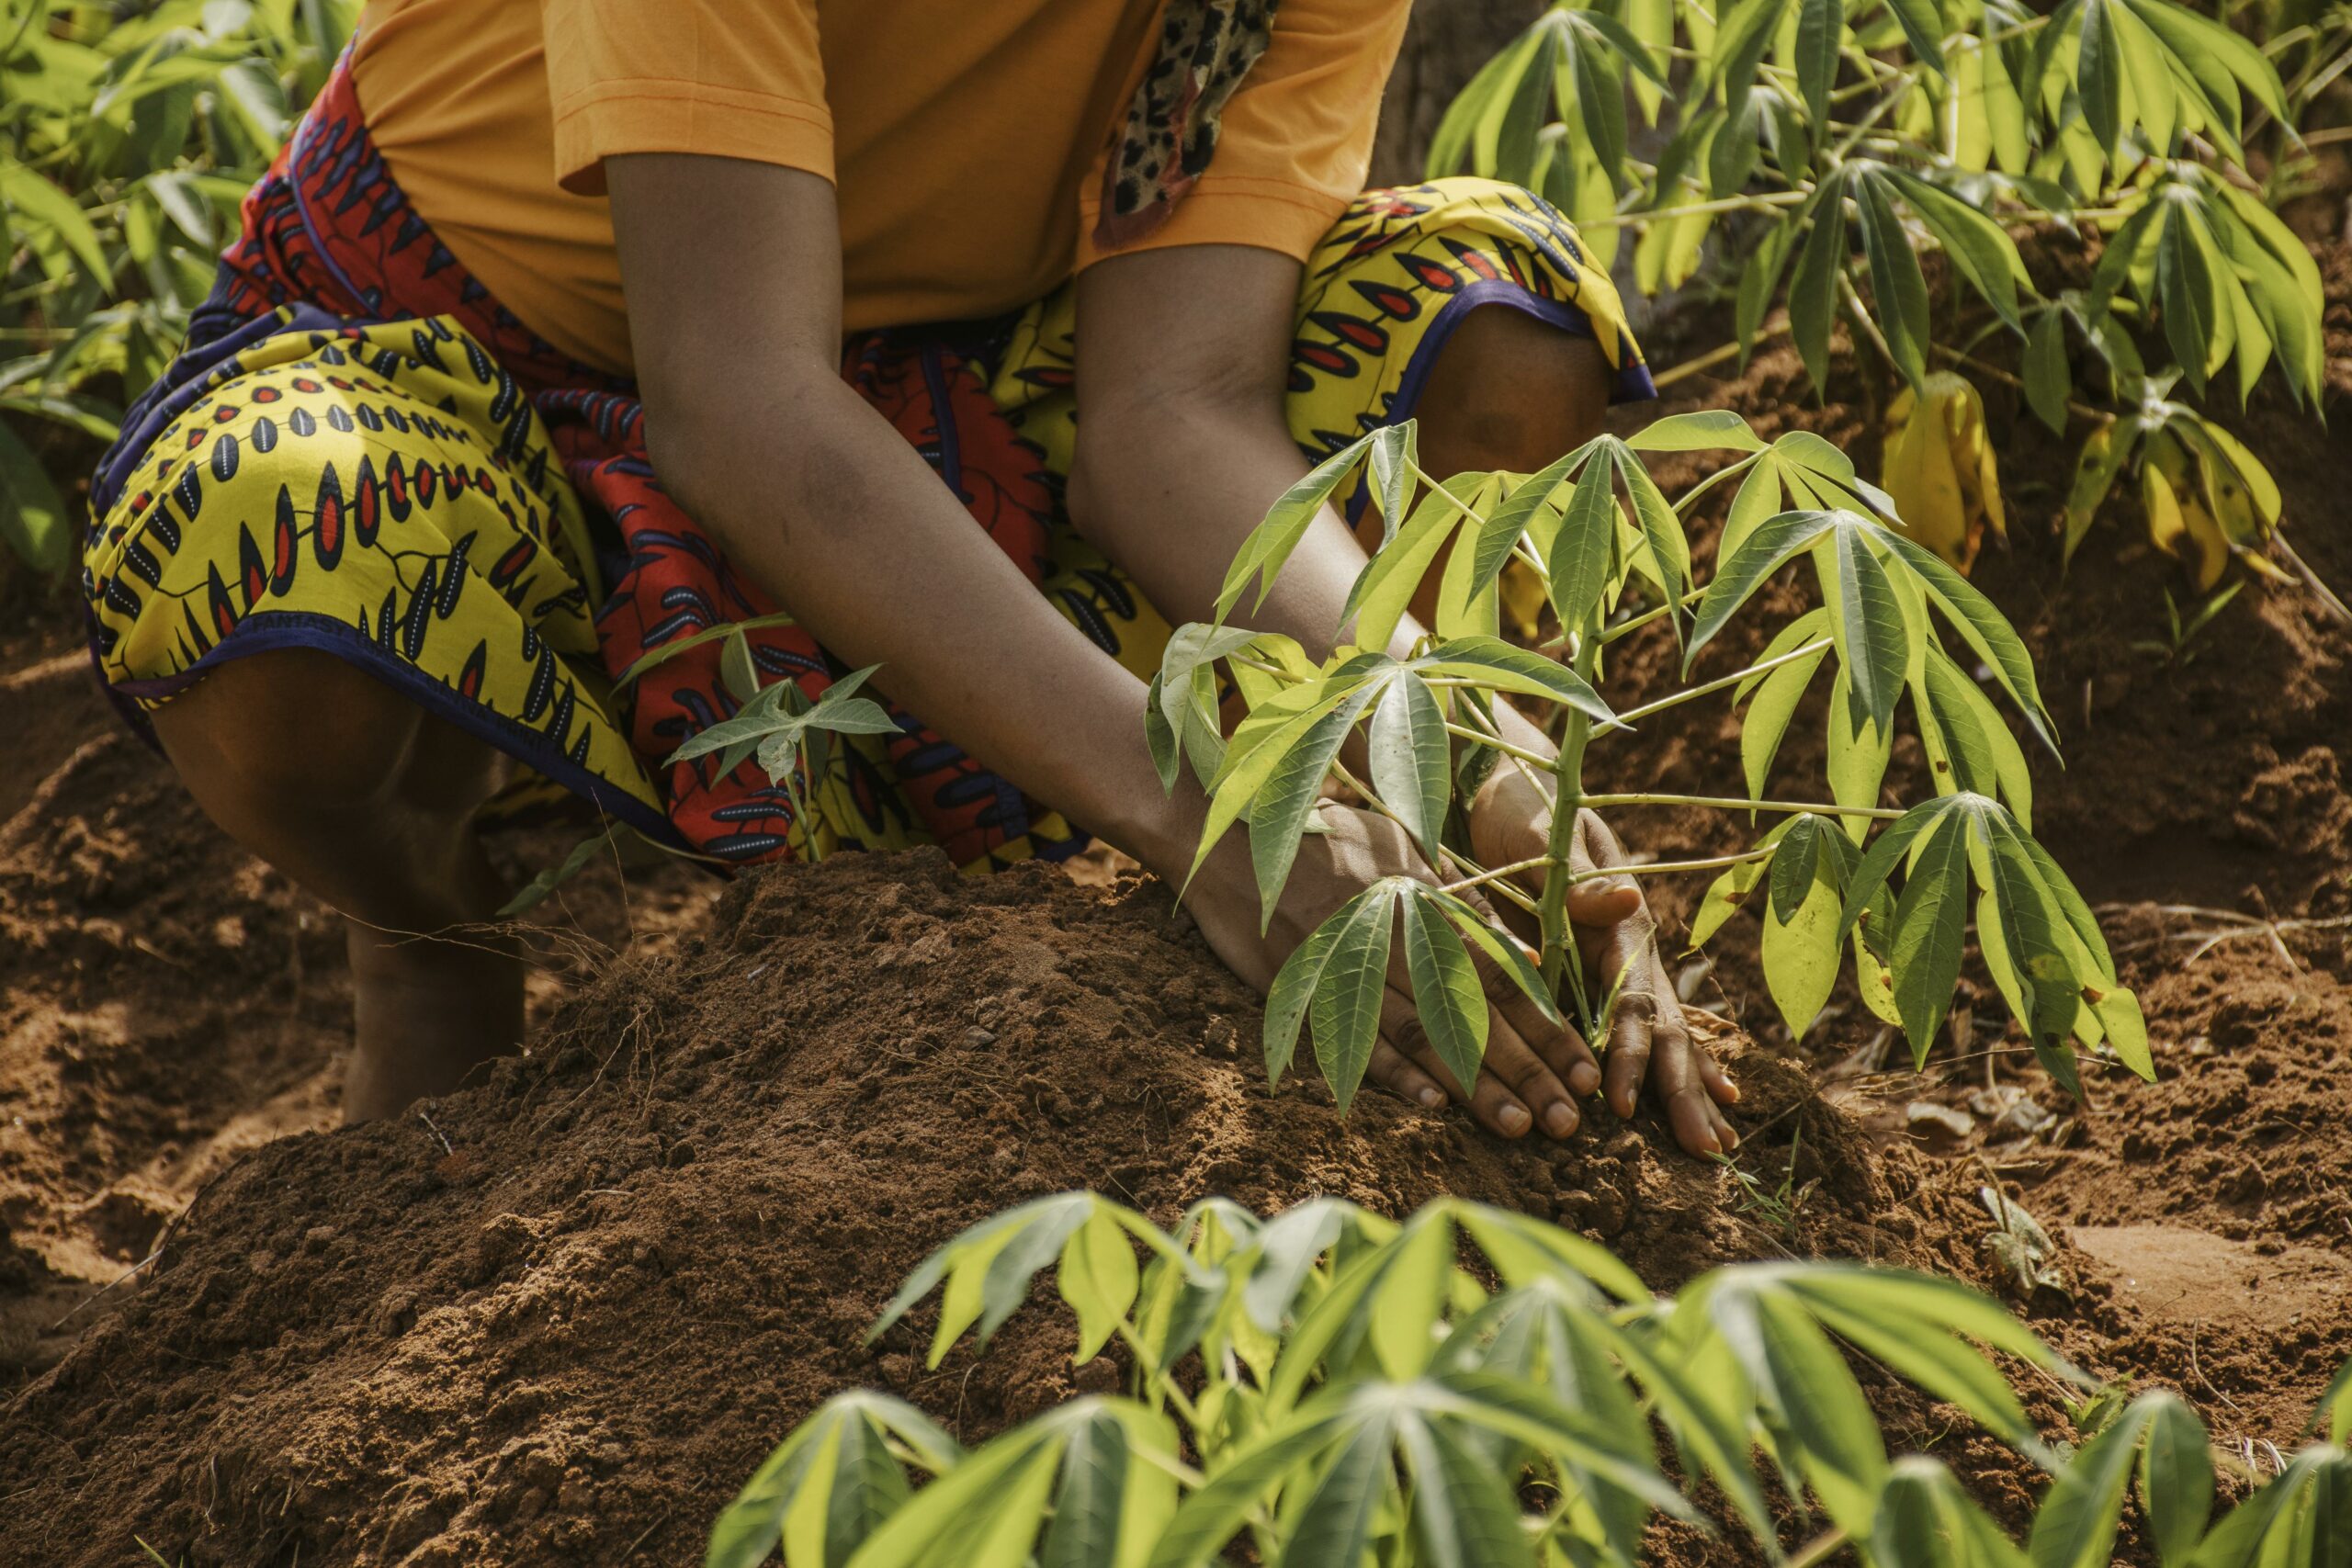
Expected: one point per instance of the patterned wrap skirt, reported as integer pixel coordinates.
(359, 450)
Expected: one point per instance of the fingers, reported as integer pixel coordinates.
(1400, 1075)
(1679, 1072)
(1516, 1089)
(1554, 1045)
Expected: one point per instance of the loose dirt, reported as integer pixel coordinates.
(558, 1317)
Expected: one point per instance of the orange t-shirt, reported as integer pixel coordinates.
(966, 138)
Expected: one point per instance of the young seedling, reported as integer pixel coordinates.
(1611, 555)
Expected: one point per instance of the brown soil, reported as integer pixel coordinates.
(566, 1336)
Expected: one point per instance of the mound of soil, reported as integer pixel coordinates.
(561, 1316)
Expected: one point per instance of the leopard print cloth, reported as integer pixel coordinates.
(1206, 48)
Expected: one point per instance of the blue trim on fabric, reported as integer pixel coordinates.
(1632, 383)
(184, 383)
(269, 630)
(951, 444)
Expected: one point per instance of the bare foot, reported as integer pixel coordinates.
(428, 1010)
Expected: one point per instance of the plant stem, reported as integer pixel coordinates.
(1497, 875)
(1519, 753)
(1864, 327)
(1625, 720)
(1669, 867)
(1733, 802)
(2097, 416)
(1820, 1549)
(1774, 325)
(1165, 1388)
(1567, 796)
(1726, 204)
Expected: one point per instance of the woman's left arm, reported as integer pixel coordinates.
(1184, 355)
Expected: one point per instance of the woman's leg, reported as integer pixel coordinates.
(366, 800)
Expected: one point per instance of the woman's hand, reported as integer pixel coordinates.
(1535, 1071)
(1509, 821)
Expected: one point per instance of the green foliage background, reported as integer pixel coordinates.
(128, 135)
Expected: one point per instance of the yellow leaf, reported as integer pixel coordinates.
(1522, 595)
(2178, 521)
(1939, 468)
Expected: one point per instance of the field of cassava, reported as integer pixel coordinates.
(1958, 642)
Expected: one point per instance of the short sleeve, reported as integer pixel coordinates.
(715, 76)
(1294, 142)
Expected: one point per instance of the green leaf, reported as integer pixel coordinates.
(1821, 28)
(1772, 545)
(1898, 290)
(1451, 1004)
(1923, 26)
(57, 225)
(2334, 1411)
(1382, 591)
(1278, 812)
(1098, 1279)
(1927, 946)
(2175, 1477)
(2098, 74)
(1269, 544)
(1801, 938)
(836, 1470)
(1873, 643)
(1979, 249)
(1927, 1519)
(1506, 667)
(1210, 1516)
(1504, 950)
(1982, 627)
(1777, 697)
(2075, 1528)
(1411, 759)
(1584, 548)
(1809, 1399)
(1087, 1501)
(1396, 453)
(1813, 289)
(1333, 1523)
(1661, 529)
(1345, 1013)
(1878, 862)
(1294, 986)
(1464, 1514)
(33, 518)
(2184, 291)
(1707, 430)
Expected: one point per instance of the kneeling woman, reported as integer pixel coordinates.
(971, 338)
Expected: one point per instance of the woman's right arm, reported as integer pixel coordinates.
(733, 270)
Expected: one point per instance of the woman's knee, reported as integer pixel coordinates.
(291, 730)
(1511, 390)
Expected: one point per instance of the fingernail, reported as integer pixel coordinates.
(1560, 1121)
(1733, 1085)
(1583, 1078)
(1513, 1120)
(1623, 1105)
(1431, 1099)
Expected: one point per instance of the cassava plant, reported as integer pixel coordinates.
(1330, 1388)
(1809, 149)
(1610, 554)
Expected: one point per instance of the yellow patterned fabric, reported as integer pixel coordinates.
(386, 491)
